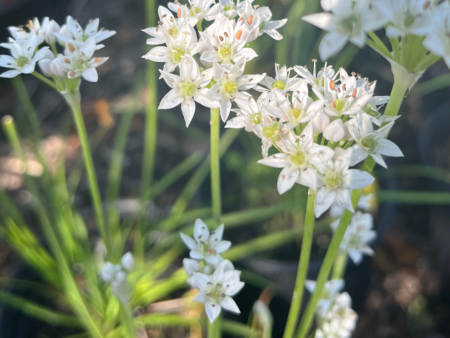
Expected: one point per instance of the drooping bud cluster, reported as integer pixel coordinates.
(221, 49)
(116, 276)
(215, 278)
(77, 59)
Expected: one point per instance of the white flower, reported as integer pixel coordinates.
(339, 321)
(320, 122)
(191, 266)
(52, 28)
(228, 9)
(336, 182)
(357, 236)
(185, 43)
(169, 25)
(266, 25)
(367, 202)
(77, 36)
(282, 82)
(199, 9)
(370, 142)
(407, 17)
(437, 39)
(348, 20)
(187, 88)
(80, 62)
(207, 246)
(335, 131)
(23, 59)
(116, 276)
(316, 81)
(300, 154)
(231, 85)
(250, 116)
(328, 295)
(216, 291)
(225, 41)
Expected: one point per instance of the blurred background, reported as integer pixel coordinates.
(403, 291)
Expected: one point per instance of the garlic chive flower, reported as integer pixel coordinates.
(300, 154)
(78, 36)
(187, 88)
(282, 81)
(185, 43)
(231, 84)
(80, 61)
(169, 25)
(357, 236)
(336, 182)
(316, 80)
(215, 291)
(250, 115)
(371, 142)
(206, 245)
(116, 276)
(199, 9)
(228, 9)
(345, 20)
(437, 40)
(23, 59)
(329, 293)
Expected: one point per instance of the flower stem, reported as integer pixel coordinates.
(73, 99)
(395, 101)
(45, 80)
(214, 330)
(302, 267)
(151, 116)
(215, 165)
(339, 265)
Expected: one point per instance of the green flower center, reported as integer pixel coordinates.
(84, 37)
(279, 84)
(256, 118)
(369, 143)
(262, 25)
(298, 158)
(230, 87)
(370, 110)
(350, 24)
(188, 89)
(320, 81)
(216, 292)
(271, 131)
(22, 61)
(333, 179)
(296, 112)
(177, 54)
(225, 51)
(228, 7)
(194, 11)
(339, 104)
(409, 19)
(173, 31)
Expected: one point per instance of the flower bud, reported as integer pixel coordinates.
(335, 131)
(191, 266)
(56, 67)
(52, 28)
(108, 271)
(320, 122)
(64, 31)
(127, 261)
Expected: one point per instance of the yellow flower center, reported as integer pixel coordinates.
(279, 84)
(188, 89)
(230, 87)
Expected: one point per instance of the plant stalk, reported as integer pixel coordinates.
(215, 165)
(303, 263)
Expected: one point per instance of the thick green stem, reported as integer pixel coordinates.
(395, 101)
(302, 267)
(215, 165)
(151, 115)
(73, 99)
(214, 330)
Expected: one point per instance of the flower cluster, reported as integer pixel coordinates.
(217, 79)
(351, 20)
(357, 236)
(336, 319)
(116, 276)
(215, 278)
(322, 124)
(77, 59)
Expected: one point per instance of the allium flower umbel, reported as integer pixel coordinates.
(215, 291)
(116, 276)
(187, 88)
(206, 245)
(329, 293)
(24, 57)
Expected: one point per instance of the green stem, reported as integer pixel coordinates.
(426, 62)
(302, 267)
(392, 108)
(339, 266)
(214, 330)
(151, 116)
(215, 165)
(73, 99)
(45, 80)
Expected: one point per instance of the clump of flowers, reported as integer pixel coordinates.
(116, 276)
(215, 278)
